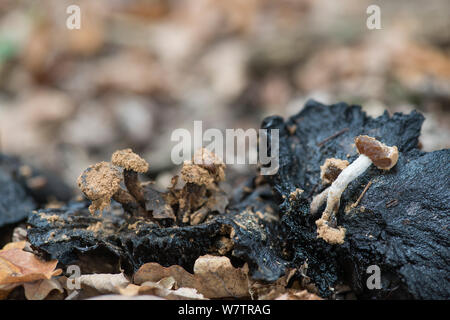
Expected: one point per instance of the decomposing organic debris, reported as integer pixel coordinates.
(194, 219)
(199, 197)
(398, 224)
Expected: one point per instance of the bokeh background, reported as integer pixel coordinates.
(137, 70)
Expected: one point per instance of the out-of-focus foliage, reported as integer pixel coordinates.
(137, 70)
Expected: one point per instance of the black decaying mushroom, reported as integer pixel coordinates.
(371, 151)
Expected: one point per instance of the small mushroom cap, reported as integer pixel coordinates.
(331, 169)
(129, 160)
(99, 183)
(382, 156)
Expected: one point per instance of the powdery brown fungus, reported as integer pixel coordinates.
(129, 160)
(371, 151)
(205, 168)
(329, 171)
(132, 164)
(99, 183)
(211, 162)
(201, 194)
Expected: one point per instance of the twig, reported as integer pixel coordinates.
(362, 194)
(332, 137)
(391, 203)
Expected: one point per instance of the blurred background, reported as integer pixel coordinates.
(138, 69)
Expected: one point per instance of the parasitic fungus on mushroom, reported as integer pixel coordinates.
(370, 151)
(329, 171)
(205, 168)
(132, 164)
(201, 194)
(101, 182)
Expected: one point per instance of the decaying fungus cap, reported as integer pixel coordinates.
(129, 160)
(382, 156)
(331, 169)
(99, 183)
(205, 168)
(132, 164)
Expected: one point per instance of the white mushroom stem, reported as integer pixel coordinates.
(318, 200)
(355, 169)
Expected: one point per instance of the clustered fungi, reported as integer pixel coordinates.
(371, 151)
(200, 194)
(191, 204)
(101, 182)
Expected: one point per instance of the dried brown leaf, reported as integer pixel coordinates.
(40, 289)
(18, 266)
(298, 295)
(104, 283)
(214, 277)
(161, 289)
